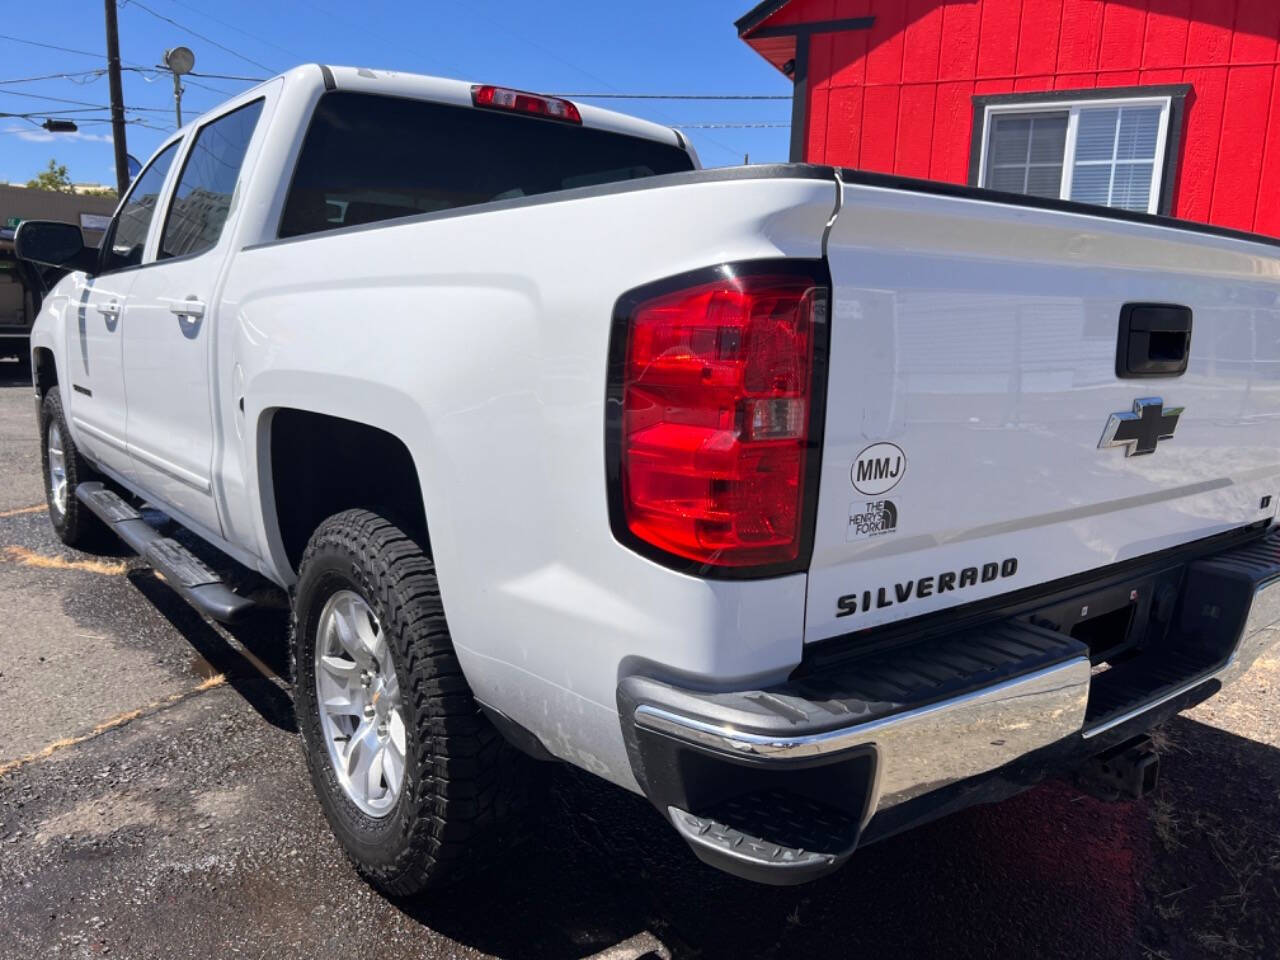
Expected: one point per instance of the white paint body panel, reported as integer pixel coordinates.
(94, 319)
(492, 332)
(479, 338)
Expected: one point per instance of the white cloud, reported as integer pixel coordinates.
(37, 135)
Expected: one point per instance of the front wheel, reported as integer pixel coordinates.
(64, 470)
(411, 775)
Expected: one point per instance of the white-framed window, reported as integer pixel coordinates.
(1109, 152)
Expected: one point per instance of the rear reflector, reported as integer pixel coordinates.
(716, 392)
(518, 101)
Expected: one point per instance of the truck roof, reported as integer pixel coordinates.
(396, 83)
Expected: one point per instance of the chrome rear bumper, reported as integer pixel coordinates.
(901, 726)
(926, 748)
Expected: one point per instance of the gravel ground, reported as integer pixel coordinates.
(154, 803)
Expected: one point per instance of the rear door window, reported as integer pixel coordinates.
(202, 199)
(368, 157)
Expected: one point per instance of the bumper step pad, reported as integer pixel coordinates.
(873, 686)
(769, 834)
(182, 570)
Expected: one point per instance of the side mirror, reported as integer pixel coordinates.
(55, 245)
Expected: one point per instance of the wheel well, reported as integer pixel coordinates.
(321, 465)
(46, 370)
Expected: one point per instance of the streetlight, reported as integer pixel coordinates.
(180, 61)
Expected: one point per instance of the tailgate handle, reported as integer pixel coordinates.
(1155, 340)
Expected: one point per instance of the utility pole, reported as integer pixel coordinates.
(117, 99)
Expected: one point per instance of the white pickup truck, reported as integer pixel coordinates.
(808, 503)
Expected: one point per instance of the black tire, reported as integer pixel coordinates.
(461, 778)
(75, 526)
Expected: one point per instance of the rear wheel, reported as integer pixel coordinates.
(411, 775)
(64, 470)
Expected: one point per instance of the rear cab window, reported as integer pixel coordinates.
(368, 157)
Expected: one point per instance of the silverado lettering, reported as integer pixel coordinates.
(847, 605)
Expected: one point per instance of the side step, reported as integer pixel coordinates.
(182, 569)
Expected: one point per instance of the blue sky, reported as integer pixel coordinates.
(569, 46)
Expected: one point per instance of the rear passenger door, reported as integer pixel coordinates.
(172, 319)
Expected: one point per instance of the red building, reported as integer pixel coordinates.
(1163, 106)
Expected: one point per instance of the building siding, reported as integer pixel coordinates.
(898, 98)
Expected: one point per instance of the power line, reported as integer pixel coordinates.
(61, 112)
(41, 96)
(195, 33)
(78, 119)
(243, 33)
(707, 97)
(726, 126)
(158, 71)
(675, 96)
(207, 86)
(52, 46)
(54, 76)
(694, 126)
(131, 67)
(473, 9)
(169, 128)
(529, 41)
(76, 76)
(227, 76)
(415, 51)
(77, 103)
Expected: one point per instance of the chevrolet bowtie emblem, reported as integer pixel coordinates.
(1139, 432)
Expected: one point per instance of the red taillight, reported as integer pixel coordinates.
(716, 391)
(518, 101)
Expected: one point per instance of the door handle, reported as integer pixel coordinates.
(191, 307)
(109, 309)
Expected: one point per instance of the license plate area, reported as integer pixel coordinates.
(1117, 621)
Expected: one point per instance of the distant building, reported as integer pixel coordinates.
(1163, 106)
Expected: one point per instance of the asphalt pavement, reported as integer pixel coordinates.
(154, 803)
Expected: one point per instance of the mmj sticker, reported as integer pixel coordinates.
(872, 518)
(878, 469)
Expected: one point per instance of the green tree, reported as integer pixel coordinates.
(54, 177)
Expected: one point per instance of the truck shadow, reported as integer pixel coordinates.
(1048, 873)
(254, 660)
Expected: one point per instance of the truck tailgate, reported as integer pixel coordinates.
(973, 374)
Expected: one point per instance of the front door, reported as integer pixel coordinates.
(172, 318)
(95, 322)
